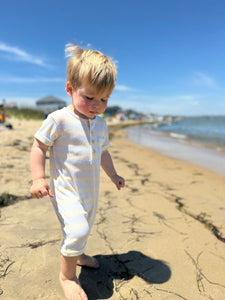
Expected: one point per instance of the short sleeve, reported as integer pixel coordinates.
(47, 133)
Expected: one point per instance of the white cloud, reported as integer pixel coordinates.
(183, 104)
(116, 62)
(16, 53)
(202, 79)
(84, 45)
(122, 88)
(14, 79)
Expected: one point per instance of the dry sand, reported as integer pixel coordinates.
(161, 237)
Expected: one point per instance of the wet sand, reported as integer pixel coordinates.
(161, 237)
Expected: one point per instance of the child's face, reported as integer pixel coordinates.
(87, 104)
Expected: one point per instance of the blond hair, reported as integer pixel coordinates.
(90, 67)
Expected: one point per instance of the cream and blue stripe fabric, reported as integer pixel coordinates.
(75, 147)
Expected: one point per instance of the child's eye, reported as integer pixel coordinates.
(89, 98)
(104, 100)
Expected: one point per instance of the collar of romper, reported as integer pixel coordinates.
(71, 110)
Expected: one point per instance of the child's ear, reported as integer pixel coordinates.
(69, 89)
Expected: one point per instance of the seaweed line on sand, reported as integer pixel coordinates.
(8, 199)
(201, 218)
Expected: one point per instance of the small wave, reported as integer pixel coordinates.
(177, 135)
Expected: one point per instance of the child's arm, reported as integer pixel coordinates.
(40, 187)
(108, 167)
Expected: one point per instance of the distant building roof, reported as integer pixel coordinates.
(50, 100)
(49, 104)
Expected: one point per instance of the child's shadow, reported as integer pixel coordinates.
(98, 284)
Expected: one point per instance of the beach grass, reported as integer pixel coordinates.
(24, 113)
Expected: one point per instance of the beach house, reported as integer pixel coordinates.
(49, 104)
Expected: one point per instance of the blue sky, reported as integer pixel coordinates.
(170, 54)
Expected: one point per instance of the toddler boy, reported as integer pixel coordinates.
(77, 139)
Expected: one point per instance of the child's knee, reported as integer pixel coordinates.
(76, 226)
(75, 243)
(78, 231)
(82, 233)
(75, 233)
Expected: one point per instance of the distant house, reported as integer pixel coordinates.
(49, 104)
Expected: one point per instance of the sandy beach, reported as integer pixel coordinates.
(161, 237)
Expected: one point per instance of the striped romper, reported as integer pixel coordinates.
(75, 146)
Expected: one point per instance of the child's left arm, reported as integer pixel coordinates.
(108, 167)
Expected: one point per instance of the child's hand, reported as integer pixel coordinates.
(118, 181)
(40, 189)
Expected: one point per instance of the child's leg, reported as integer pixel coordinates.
(68, 279)
(87, 261)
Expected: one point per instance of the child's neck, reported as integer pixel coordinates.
(71, 108)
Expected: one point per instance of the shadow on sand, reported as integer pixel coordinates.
(98, 284)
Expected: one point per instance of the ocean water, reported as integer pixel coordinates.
(208, 130)
(198, 140)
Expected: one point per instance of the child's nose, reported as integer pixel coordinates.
(95, 102)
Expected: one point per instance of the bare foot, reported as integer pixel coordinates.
(88, 261)
(72, 289)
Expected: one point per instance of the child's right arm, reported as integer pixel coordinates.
(40, 187)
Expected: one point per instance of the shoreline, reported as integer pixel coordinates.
(183, 149)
